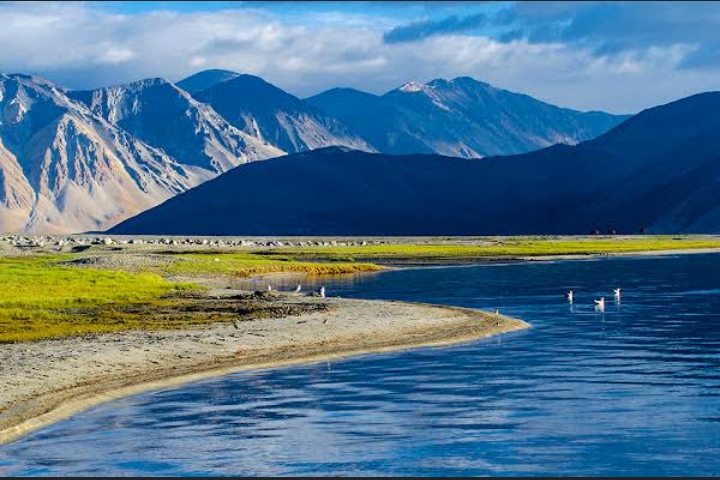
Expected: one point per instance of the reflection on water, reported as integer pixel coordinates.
(633, 390)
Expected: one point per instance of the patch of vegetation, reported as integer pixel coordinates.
(39, 299)
(191, 309)
(249, 264)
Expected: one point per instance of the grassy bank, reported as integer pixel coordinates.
(491, 248)
(39, 299)
(249, 264)
(43, 297)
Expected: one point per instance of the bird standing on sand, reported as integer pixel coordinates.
(322, 292)
(569, 296)
(298, 288)
(600, 304)
(269, 288)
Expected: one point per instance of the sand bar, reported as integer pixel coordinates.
(46, 381)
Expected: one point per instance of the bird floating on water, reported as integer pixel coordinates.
(298, 288)
(600, 304)
(569, 296)
(616, 291)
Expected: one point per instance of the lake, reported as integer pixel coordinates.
(633, 390)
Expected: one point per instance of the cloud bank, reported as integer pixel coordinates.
(429, 28)
(614, 57)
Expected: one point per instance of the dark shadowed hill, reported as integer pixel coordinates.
(659, 170)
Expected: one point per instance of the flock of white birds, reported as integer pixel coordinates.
(599, 304)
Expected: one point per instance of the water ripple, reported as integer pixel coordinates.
(634, 390)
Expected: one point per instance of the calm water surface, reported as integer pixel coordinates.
(633, 391)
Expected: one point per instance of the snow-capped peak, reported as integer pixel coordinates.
(412, 87)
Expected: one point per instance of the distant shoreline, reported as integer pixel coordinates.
(458, 262)
(47, 381)
(588, 256)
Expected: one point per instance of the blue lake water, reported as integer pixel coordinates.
(631, 391)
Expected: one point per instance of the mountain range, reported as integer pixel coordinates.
(461, 117)
(76, 161)
(265, 111)
(163, 115)
(73, 161)
(657, 172)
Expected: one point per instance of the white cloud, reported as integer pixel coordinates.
(197, 62)
(116, 55)
(83, 47)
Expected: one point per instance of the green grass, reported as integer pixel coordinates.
(39, 299)
(509, 247)
(249, 264)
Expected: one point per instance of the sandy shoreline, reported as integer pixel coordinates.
(44, 382)
(648, 253)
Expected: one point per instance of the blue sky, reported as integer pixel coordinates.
(396, 10)
(613, 56)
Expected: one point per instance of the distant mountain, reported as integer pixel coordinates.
(205, 79)
(65, 168)
(168, 118)
(265, 111)
(462, 117)
(658, 171)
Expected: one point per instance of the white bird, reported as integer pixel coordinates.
(497, 312)
(269, 288)
(600, 304)
(569, 296)
(298, 288)
(322, 292)
(616, 291)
